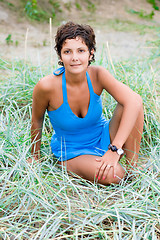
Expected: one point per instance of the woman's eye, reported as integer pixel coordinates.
(81, 50)
(67, 51)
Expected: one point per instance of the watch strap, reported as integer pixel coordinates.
(113, 148)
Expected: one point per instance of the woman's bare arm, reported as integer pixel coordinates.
(131, 101)
(132, 106)
(39, 106)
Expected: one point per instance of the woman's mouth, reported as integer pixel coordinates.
(75, 65)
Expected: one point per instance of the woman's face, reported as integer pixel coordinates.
(75, 55)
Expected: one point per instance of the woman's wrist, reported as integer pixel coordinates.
(116, 149)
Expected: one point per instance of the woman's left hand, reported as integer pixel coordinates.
(106, 162)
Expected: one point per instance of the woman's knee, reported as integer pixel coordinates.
(120, 174)
(113, 178)
(85, 166)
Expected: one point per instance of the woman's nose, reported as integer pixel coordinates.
(74, 56)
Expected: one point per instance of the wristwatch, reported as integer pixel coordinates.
(113, 148)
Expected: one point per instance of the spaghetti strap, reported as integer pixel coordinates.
(89, 83)
(58, 71)
(64, 88)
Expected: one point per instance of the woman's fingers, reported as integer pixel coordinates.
(98, 159)
(101, 171)
(98, 168)
(108, 167)
(29, 160)
(99, 164)
(32, 160)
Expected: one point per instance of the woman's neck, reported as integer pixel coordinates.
(75, 79)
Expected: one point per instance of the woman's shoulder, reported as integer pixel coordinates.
(98, 72)
(96, 69)
(48, 83)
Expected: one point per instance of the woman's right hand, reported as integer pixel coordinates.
(32, 160)
(108, 160)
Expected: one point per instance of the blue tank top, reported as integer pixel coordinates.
(74, 136)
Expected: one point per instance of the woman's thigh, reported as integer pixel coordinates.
(86, 165)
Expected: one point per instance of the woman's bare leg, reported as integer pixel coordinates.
(86, 165)
(132, 145)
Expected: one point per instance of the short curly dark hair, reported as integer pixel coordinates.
(72, 30)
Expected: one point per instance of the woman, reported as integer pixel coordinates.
(83, 140)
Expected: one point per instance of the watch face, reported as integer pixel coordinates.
(120, 151)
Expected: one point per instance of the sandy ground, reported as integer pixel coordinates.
(33, 39)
